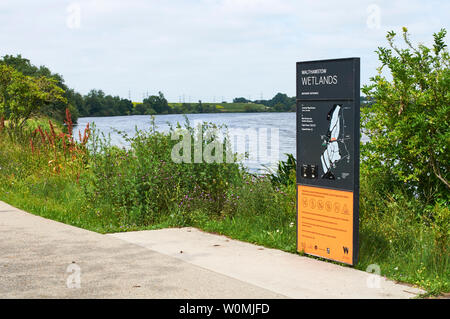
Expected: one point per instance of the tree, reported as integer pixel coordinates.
(94, 101)
(279, 103)
(56, 110)
(279, 98)
(240, 100)
(22, 96)
(407, 119)
(77, 102)
(6, 78)
(158, 103)
(125, 107)
(280, 107)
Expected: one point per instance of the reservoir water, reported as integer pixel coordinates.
(283, 124)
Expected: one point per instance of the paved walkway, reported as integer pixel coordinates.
(35, 253)
(174, 263)
(287, 274)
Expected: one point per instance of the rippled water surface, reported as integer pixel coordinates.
(284, 122)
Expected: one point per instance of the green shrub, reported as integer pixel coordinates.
(398, 232)
(407, 120)
(145, 185)
(285, 169)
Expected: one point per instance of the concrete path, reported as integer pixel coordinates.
(36, 252)
(284, 273)
(171, 263)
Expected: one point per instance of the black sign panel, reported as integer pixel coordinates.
(327, 79)
(328, 123)
(328, 157)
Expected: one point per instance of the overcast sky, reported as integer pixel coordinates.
(204, 49)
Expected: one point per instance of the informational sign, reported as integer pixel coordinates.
(328, 103)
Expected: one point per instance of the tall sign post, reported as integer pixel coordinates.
(328, 134)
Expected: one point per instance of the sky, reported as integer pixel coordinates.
(209, 50)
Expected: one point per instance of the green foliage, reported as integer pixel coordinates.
(143, 109)
(200, 107)
(285, 173)
(408, 120)
(249, 108)
(240, 100)
(404, 213)
(23, 96)
(54, 109)
(258, 212)
(158, 103)
(280, 103)
(407, 244)
(96, 103)
(25, 67)
(143, 184)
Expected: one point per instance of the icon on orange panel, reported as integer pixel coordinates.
(337, 207)
(312, 203)
(305, 202)
(320, 204)
(345, 209)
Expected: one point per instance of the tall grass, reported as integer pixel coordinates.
(397, 234)
(142, 185)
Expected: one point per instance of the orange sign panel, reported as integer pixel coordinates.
(325, 223)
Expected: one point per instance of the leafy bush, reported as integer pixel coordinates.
(144, 184)
(23, 96)
(285, 173)
(406, 239)
(408, 120)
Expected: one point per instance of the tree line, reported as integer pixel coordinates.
(282, 102)
(53, 98)
(279, 103)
